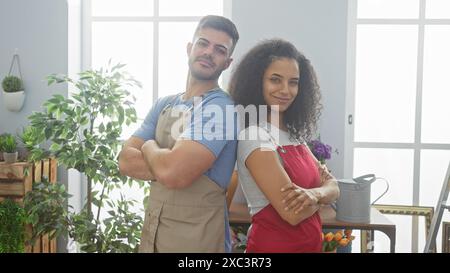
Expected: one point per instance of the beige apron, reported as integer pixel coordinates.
(191, 219)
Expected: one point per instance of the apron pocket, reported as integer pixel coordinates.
(150, 227)
(191, 229)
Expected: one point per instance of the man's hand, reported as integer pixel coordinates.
(131, 160)
(175, 167)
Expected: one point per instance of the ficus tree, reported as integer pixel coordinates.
(83, 132)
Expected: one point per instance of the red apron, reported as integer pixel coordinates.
(269, 232)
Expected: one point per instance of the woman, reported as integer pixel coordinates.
(283, 182)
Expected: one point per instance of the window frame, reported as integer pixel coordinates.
(417, 146)
(156, 19)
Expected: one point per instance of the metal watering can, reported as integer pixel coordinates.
(354, 204)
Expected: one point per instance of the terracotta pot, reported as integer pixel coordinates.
(331, 251)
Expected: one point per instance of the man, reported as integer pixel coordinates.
(190, 173)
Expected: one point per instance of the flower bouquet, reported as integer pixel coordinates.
(238, 238)
(339, 239)
(321, 150)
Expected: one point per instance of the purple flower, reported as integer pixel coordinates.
(320, 150)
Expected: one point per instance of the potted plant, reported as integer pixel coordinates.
(12, 227)
(13, 93)
(29, 139)
(85, 134)
(8, 146)
(46, 210)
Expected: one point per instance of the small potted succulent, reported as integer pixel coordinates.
(8, 145)
(13, 92)
(29, 139)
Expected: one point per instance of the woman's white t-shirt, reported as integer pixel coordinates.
(250, 139)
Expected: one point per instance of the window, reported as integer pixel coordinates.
(398, 84)
(150, 37)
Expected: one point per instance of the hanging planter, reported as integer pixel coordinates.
(13, 91)
(14, 100)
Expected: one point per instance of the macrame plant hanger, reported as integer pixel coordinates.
(15, 57)
(14, 100)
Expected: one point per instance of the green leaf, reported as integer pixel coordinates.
(118, 66)
(84, 121)
(54, 147)
(59, 97)
(50, 81)
(48, 132)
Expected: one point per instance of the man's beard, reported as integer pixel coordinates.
(203, 76)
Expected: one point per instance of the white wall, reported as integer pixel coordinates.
(319, 29)
(39, 30)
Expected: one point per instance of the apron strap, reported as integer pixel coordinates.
(171, 101)
(272, 139)
(276, 144)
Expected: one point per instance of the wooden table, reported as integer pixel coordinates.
(239, 215)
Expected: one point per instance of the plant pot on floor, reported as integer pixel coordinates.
(10, 157)
(14, 100)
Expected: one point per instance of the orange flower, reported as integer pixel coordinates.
(329, 237)
(344, 242)
(338, 236)
(339, 239)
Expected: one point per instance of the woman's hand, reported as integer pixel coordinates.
(297, 198)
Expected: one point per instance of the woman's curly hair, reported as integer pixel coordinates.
(246, 86)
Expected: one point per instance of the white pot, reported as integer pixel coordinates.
(14, 100)
(10, 157)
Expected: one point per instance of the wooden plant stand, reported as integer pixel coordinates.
(16, 180)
